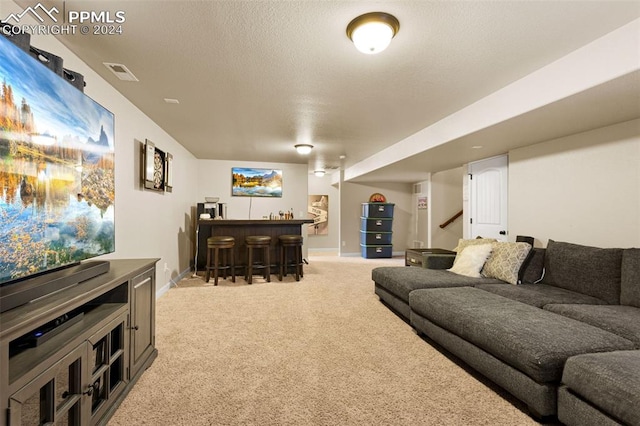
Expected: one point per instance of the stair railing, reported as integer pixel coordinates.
(454, 217)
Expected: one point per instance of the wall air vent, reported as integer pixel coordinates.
(417, 188)
(120, 71)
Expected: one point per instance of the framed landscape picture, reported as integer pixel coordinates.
(251, 182)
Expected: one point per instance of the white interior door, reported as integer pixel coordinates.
(488, 192)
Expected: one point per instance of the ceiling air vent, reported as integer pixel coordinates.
(121, 71)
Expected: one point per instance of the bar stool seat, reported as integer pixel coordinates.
(257, 242)
(295, 242)
(214, 245)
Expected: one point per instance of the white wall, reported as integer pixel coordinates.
(583, 188)
(148, 224)
(422, 217)
(214, 180)
(331, 241)
(446, 201)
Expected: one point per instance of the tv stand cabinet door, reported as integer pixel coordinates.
(56, 395)
(143, 310)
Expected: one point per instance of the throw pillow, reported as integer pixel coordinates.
(462, 244)
(471, 260)
(505, 261)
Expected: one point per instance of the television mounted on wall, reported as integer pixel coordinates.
(57, 183)
(253, 182)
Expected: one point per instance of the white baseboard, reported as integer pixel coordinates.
(323, 250)
(359, 254)
(172, 283)
(356, 254)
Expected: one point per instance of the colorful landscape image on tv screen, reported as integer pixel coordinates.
(57, 183)
(251, 182)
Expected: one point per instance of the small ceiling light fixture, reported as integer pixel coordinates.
(303, 148)
(372, 32)
(319, 173)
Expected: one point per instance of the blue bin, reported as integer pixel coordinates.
(377, 209)
(375, 238)
(375, 251)
(376, 224)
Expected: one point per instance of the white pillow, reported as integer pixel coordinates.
(470, 260)
(462, 244)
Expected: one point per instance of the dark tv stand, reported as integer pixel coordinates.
(22, 292)
(81, 373)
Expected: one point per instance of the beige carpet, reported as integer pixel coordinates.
(322, 351)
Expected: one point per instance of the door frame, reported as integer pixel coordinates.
(467, 196)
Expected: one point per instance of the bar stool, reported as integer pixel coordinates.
(286, 242)
(257, 242)
(215, 244)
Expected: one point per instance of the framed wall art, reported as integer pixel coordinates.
(318, 210)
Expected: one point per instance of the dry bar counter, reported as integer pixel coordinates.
(239, 229)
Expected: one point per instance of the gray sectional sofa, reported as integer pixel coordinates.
(565, 340)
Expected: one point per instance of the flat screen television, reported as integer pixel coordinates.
(252, 182)
(57, 184)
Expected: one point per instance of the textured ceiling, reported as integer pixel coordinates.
(255, 77)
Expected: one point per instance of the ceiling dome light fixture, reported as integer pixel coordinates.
(303, 148)
(372, 32)
(319, 173)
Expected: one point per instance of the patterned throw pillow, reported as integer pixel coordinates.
(471, 260)
(466, 243)
(505, 261)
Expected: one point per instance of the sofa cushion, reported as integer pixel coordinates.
(533, 266)
(401, 280)
(589, 270)
(617, 319)
(630, 278)
(540, 295)
(532, 340)
(470, 260)
(609, 381)
(505, 261)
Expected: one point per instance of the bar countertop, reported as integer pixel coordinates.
(232, 222)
